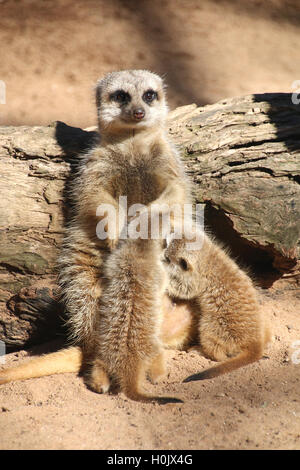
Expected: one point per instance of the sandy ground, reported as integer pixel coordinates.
(52, 53)
(256, 407)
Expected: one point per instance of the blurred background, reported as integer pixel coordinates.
(53, 51)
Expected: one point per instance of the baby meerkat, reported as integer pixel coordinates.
(231, 327)
(128, 343)
(136, 160)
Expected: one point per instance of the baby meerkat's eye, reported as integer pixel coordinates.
(183, 264)
(149, 96)
(120, 96)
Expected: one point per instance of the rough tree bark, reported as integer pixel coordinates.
(242, 153)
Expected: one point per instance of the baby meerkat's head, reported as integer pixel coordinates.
(180, 264)
(130, 99)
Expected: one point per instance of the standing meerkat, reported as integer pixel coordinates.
(230, 324)
(135, 159)
(128, 329)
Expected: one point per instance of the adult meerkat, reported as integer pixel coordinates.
(231, 327)
(136, 160)
(128, 342)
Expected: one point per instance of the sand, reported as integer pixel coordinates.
(255, 407)
(52, 53)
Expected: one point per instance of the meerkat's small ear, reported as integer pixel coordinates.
(98, 92)
(169, 238)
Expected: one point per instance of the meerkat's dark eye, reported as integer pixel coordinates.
(183, 264)
(120, 96)
(149, 96)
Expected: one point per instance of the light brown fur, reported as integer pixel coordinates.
(231, 327)
(59, 362)
(128, 343)
(135, 159)
(177, 329)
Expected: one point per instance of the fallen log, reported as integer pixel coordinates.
(243, 155)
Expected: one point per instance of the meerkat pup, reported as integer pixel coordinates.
(128, 343)
(230, 324)
(136, 161)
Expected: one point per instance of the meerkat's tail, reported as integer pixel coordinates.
(252, 354)
(66, 360)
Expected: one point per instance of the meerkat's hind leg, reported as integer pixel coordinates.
(217, 351)
(132, 380)
(157, 368)
(97, 379)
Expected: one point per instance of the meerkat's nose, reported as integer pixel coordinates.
(138, 114)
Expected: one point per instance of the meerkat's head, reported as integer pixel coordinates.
(130, 99)
(181, 264)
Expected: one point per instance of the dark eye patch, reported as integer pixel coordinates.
(149, 96)
(183, 264)
(120, 96)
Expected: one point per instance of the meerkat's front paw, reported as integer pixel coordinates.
(194, 348)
